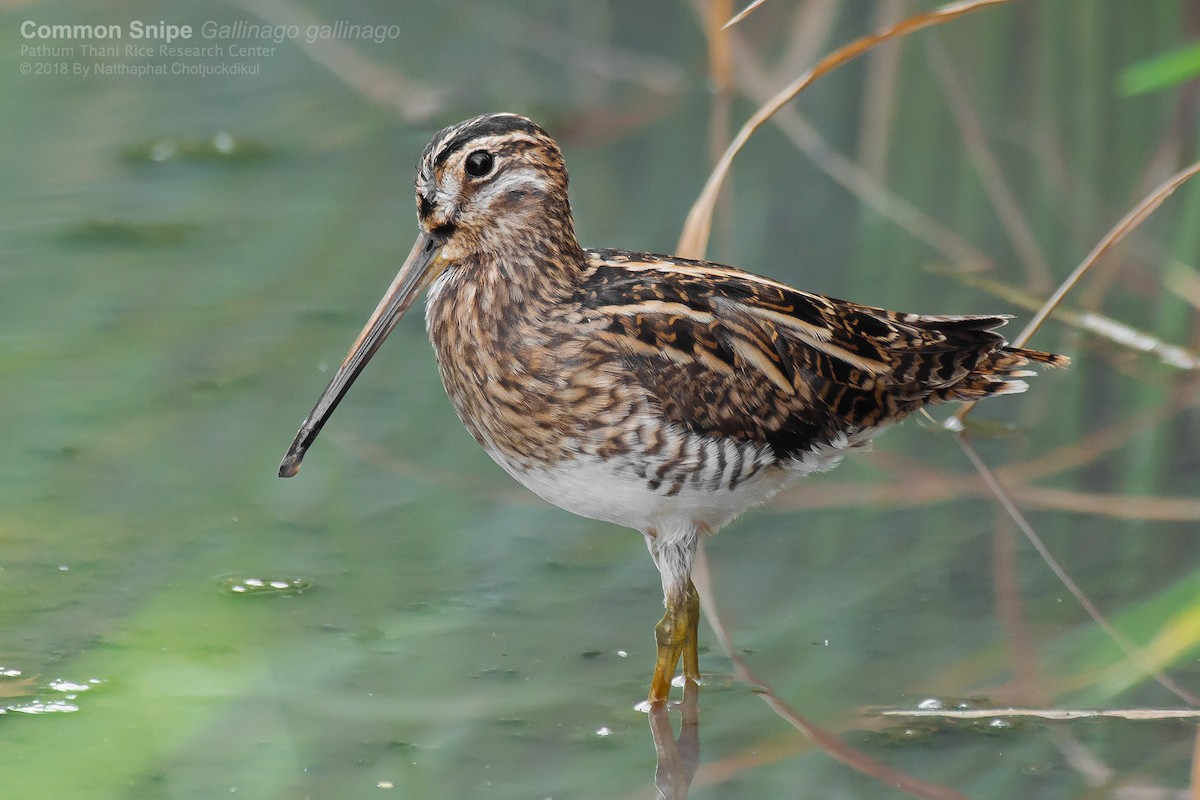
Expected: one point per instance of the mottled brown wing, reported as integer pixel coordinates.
(731, 354)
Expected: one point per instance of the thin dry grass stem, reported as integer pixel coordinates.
(830, 743)
(915, 484)
(383, 458)
(1129, 222)
(1037, 269)
(1094, 771)
(1177, 136)
(1103, 327)
(1135, 508)
(1129, 338)
(853, 177)
(1101, 779)
(1184, 282)
(1132, 652)
(19, 687)
(1194, 792)
(726, 768)
(561, 45)
(1096, 444)
(810, 29)
(720, 66)
(741, 15)
(694, 240)
(1006, 581)
(879, 94)
(1044, 713)
(382, 84)
(1048, 153)
(912, 494)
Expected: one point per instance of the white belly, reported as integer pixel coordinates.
(615, 490)
(595, 490)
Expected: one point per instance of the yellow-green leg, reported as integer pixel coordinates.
(676, 635)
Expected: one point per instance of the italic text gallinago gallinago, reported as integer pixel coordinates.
(663, 394)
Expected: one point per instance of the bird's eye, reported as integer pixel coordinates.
(479, 163)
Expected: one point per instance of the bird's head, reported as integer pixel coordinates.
(491, 189)
(490, 185)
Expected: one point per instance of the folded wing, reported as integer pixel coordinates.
(731, 354)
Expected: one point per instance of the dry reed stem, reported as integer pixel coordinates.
(1129, 222)
(916, 484)
(1097, 443)
(1184, 282)
(741, 15)
(880, 95)
(720, 69)
(1101, 326)
(1008, 210)
(912, 493)
(382, 84)
(829, 742)
(853, 177)
(694, 240)
(1177, 137)
(1027, 683)
(1135, 508)
(560, 45)
(1044, 713)
(913, 485)
(1132, 651)
(1194, 788)
(1136, 216)
(761, 753)
(810, 29)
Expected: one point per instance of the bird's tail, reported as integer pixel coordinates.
(1001, 373)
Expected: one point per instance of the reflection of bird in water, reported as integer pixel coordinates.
(676, 757)
(659, 393)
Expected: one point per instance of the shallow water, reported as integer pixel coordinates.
(183, 260)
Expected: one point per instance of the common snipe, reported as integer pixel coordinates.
(659, 393)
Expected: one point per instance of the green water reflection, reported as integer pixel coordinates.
(166, 322)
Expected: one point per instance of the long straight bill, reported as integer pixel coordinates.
(418, 271)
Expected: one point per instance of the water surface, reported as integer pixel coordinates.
(183, 259)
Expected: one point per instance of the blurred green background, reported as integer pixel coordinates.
(184, 258)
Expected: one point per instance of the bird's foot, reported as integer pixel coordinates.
(676, 636)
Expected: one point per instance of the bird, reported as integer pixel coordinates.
(658, 393)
